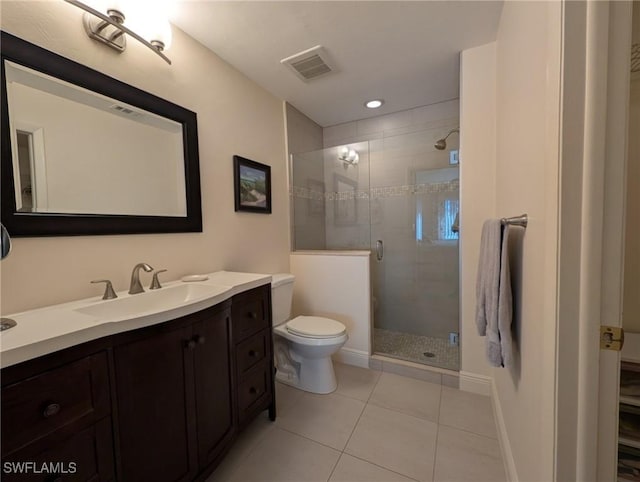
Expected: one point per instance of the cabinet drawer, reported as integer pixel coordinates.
(78, 454)
(251, 352)
(253, 390)
(250, 312)
(39, 405)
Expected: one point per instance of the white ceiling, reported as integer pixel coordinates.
(404, 52)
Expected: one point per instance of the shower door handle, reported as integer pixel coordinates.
(379, 250)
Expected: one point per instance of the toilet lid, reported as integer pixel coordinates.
(315, 327)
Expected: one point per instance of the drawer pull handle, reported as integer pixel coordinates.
(253, 353)
(51, 409)
(253, 315)
(200, 339)
(190, 344)
(254, 391)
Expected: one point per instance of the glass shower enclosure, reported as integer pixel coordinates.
(398, 197)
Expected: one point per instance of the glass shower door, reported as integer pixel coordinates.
(414, 204)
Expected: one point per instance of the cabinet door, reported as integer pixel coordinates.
(214, 396)
(154, 378)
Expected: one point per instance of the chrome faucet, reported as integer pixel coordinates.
(136, 286)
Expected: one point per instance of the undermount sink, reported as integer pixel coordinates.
(149, 302)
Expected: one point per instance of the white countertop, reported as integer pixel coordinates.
(45, 330)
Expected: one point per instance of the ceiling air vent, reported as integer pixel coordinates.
(309, 64)
(125, 110)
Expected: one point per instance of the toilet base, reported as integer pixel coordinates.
(315, 375)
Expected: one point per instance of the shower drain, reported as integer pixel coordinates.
(428, 354)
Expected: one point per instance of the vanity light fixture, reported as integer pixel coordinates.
(348, 156)
(109, 28)
(374, 104)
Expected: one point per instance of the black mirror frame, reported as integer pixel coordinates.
(47, 224)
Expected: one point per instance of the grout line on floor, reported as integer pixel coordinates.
(355, 425)
(380, 466)
(435, 451)
(310, 439)
(334, 466)
(469, 431)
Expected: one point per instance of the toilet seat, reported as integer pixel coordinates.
(315, 327)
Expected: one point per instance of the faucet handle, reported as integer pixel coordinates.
(155, 282)
(109, 294)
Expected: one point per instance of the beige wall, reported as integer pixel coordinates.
(235, 116)
(510, 98)
(528, 79)
(477, 190)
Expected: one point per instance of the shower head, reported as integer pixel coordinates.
(441, 144)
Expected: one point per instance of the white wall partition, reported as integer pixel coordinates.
(335, 284)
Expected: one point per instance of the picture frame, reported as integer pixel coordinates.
(252, 186)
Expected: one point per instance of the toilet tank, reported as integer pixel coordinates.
(281, 297)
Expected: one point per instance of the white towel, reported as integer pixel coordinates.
(493, 293)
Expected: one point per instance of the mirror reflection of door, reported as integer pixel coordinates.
(32, 179)
(25, 164)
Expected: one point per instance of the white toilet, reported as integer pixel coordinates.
(303, 346)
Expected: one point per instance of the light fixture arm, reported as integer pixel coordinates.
(121, 27)
(451, 132)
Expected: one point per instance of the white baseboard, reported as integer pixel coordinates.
(472, 382)
(349, 356)
(503, 437)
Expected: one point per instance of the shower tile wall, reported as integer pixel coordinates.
(309, 208)
(304, 135)
(416, 287)
(348, 217)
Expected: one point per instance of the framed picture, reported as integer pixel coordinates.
(252, 182)
(345, 209)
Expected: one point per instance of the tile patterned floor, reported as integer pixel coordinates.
(376, 427)
(406, 346)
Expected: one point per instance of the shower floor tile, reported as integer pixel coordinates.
(406, 346)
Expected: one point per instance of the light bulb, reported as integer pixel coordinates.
(161, 35)
(352, 155)
(344, 152)
(116, 9)
(152, 25)
(374, 104)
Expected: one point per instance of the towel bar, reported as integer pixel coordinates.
(521, 220)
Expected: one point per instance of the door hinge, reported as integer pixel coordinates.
(611, 338)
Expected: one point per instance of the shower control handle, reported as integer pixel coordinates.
(379, 250)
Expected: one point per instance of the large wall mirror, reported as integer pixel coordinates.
(84, 154)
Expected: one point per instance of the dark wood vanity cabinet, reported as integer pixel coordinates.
(161, 403)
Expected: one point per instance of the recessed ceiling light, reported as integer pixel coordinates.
(374, 104)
